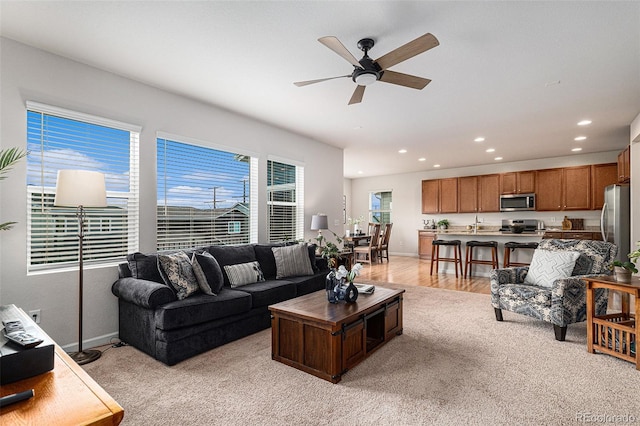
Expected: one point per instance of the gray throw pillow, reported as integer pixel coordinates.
(177, 267)
(292, 261)
(211, 270)
(244, 273)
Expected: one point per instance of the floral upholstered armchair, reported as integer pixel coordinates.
(550, 288)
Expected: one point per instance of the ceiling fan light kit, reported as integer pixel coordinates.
(367, 71)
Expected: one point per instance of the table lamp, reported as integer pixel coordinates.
(81, 189)
(318, 223)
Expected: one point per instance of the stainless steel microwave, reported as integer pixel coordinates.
(517, 202)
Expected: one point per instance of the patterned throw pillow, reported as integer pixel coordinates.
(244, 273)
(177, 267)
(213, 279)
(292, 261)
(548, 266)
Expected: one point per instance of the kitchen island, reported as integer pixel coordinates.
(426, 236)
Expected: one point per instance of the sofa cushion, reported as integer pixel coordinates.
(292, 261)
(144, 267)
(548, 266)
(231, 255)
(201, 308)
(211, 269)
(244, 273)
(267, 293)
(309, 284)
(264, 256)
(179, 272)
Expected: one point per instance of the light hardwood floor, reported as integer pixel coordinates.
(414, 271)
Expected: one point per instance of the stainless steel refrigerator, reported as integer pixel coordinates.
(615, 218)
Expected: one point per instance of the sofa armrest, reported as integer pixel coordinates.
(147, 294)
(509, 275)
(568, 298)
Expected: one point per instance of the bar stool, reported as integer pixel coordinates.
(457, 254)
(511, 246)
(469, 255)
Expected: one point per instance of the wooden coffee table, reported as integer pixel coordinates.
(326, 339)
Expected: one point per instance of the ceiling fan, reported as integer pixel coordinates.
(367, 70)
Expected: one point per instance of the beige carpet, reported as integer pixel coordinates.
(454, 364)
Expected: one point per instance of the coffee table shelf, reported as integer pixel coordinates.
(326, 339)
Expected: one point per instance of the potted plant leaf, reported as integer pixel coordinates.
(623, 270)
(443, 223)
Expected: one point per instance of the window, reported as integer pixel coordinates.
(205, 196)
(285, 201)
(380, 207)
(61, 139)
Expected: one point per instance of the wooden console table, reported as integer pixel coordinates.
(67, 395)
(614, 334)
(326, 339)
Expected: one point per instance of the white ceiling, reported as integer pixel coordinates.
(521, 74)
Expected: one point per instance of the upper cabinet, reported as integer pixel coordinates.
(518, 182)
(602, 175)
(489, 193)
(440, 195)
(624, 165)
(468, 194)
(566, 188)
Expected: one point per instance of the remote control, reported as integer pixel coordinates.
(15, 332)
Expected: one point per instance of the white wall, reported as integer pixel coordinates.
(31, 74)
(407, 198)
(634, 140)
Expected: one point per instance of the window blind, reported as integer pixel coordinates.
(285, 201)
(61, 139)
(205, 196)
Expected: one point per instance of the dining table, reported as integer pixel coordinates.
(354, 240)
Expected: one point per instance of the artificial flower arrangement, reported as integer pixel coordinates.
(335, 284)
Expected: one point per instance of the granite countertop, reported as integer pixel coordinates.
(489, 231)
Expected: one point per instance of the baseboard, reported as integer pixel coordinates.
(92, 343)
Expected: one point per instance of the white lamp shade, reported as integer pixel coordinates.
(319, 221)
(80, 188)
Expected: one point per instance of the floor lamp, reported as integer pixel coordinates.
(80, 189)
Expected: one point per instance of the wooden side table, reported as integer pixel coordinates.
(66, 395)
(614, 334)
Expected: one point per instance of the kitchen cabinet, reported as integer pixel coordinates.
(518, 182)
(549, 190)
(602, 175)
(624, 165)
(425, 240)
(572, 235)
(561, 189)
(468, 194)
(448, 195)
(440, 196)
(576, 188)
(430, 196)
(489, 193)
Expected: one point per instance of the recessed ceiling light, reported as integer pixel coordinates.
(480, 139)
(498, 158)
(436, 165)
(580, 138)
(402, 151)
(422, 159)
(584, 122)
(491, 150)
(576, 149)
(359, 172)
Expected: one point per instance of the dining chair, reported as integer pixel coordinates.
(383, 247)
(370, 251)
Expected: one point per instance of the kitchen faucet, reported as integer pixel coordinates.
(475, 224)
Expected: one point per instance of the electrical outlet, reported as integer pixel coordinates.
(35, 316)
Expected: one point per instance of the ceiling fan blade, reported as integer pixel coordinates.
(409, 50)
(308, 82)
(356, 98)
(334, 44)
(405, 80)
